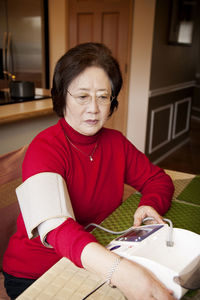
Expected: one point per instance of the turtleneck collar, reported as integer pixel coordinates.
(77, 137)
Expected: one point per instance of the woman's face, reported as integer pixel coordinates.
(87, 109)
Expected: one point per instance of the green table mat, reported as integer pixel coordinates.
(191, 193)
(181, 214)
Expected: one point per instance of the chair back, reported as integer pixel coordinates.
(10, 178)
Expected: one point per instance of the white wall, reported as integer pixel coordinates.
(142, 40)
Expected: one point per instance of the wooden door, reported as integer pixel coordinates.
(108, 22)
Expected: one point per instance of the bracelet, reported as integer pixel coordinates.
(112, 270)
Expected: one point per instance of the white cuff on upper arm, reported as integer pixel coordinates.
(45, 227)
(45, 203)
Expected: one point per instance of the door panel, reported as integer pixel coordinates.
(107, 22)
(110, 25)
(84, 28)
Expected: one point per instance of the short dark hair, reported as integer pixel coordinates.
(75, 61)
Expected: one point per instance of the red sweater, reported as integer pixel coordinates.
(95, 189)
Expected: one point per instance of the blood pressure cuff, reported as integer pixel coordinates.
(45, 204)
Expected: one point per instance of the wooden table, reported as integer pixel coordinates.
(66, 281)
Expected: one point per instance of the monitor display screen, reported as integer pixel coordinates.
(138, 234)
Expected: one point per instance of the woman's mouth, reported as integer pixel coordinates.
(91, 122)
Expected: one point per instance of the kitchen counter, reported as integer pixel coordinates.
(21, 122)
(26, 110)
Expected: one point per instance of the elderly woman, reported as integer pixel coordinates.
(74, 173)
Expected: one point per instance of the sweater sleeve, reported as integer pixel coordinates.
(157, 192)
(69, 240)
(151, 181)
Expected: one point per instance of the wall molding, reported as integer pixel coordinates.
(172, 88)
(153, 112)
(177, 103)
(195, 108)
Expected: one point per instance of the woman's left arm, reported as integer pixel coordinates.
(155, 186)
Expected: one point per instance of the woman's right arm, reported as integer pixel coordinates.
(133, 280)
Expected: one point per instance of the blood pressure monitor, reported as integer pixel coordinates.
(148, 246)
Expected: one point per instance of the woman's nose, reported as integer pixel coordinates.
(93, 105)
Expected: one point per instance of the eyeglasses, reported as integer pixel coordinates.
(84, 98)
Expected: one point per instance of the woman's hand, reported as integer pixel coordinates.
(146, 211)
(137, 283)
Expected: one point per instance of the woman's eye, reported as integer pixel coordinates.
(82, 97)
(103, 97)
